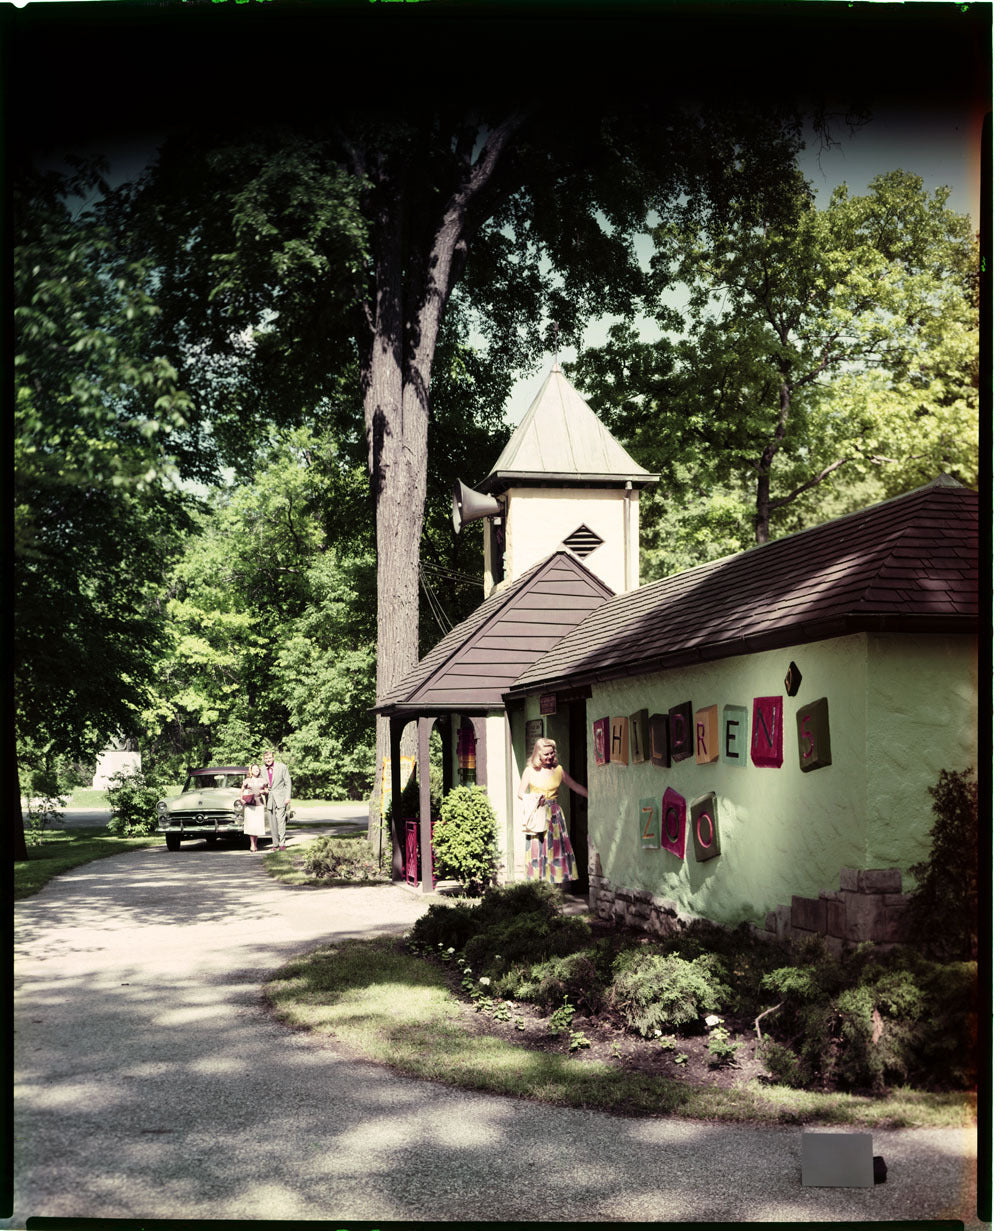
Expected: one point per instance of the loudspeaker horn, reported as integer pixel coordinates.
(469, 505)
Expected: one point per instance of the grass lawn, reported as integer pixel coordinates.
(62, 849)
(384, 1005)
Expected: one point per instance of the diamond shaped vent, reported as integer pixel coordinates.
(583, 541)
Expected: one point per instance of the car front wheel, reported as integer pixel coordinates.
(173, 841)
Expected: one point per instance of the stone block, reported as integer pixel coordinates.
(783, 921)
(801, 934)
(770, 922)
(809, 914)
(642, 910)
(864, 917)
(895, 918)
(832, 895)
(849, 879)
(880, 880)
(834, 945)
(641, 895)
(836, 917)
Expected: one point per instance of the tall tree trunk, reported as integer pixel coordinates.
(762, 513)
(18, 844)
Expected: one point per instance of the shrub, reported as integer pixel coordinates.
(465, 839)
(655, 991)
(132, 798)
(873, 1020)
(943, 912)
(449, 926)
(575, 977)
(342, 859)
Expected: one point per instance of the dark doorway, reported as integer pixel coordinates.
(577, 804)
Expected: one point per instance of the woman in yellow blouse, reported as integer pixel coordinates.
(548, 855)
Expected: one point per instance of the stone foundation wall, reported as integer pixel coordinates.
(868, 906)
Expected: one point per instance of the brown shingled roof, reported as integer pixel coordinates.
(474, 664)
(909, 564)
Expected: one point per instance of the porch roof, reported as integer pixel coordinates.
(909, 564)
(477, 661)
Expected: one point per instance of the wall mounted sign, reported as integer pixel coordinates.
(547, 703)
(602, 733)
(659, 741)
(793, 678)
(812, 725)
(681, 732)
(619, 740)
(706, 735)
(673, 825)
(734, 734)
(639, 734)
(766, 733)
(649, 829)
(705, 827)
(534, 729)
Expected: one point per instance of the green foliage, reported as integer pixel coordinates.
(865, 1020)
(334, 859)
(943, 912)
(578, 976)
(465, 838)
(657, 991)
(450, 926)
(562, 1018)
(132, 798)
(95, 515)
(872, 1020)
(818, 350)
(721, 1046)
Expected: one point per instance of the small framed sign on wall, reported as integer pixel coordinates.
(534, 729)
(548, 703)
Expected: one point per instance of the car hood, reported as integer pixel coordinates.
(213, 797)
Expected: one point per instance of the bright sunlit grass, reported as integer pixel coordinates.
(384, 1005)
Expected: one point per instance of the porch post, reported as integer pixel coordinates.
(447, 751)
(424, 728)
(479, 727)
(396, 726)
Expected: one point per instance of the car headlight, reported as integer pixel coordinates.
(238, 805)
(161, 806)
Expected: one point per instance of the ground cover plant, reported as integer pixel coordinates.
(330, 860)
(382, 1003)
(787, 1013)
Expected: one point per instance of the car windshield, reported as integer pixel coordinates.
(209, 782)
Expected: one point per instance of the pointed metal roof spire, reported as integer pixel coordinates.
(560, 439)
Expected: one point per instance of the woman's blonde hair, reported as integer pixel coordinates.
(540, 746)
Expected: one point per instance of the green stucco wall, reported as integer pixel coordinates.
(901, 709)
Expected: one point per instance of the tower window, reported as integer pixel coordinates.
(583, 541)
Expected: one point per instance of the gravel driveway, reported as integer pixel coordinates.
(150, 1082)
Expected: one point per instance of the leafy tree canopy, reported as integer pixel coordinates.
(811, 344)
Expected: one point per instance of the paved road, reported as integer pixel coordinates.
(150, 1082)
(321, 814)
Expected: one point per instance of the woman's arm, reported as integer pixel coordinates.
(574, 785)
(523, 786)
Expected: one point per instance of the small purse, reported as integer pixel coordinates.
(534, 815)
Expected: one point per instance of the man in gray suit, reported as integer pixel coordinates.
(278, 797)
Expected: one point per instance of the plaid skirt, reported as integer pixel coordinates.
(549, 856)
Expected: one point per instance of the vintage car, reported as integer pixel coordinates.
(209, 807)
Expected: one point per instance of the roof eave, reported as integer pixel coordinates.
(799, 634)
(500, 480)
